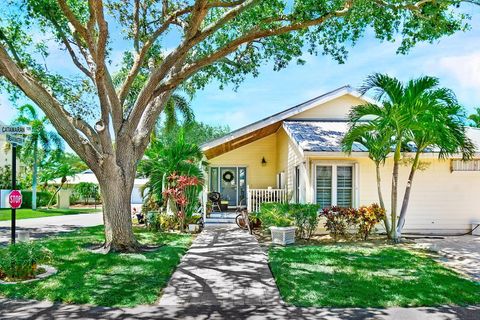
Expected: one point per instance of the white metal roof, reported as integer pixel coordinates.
(286, 114)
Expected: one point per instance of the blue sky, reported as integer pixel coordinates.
(455, 60)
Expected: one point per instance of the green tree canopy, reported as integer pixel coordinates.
(175, 44)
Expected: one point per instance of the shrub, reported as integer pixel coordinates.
(339, 221)
(367, 218)
(159, 221)
(87, 191)
(20, 261)
(275, 215)
(306, 218)
(42, 198)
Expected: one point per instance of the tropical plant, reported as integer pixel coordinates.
(438, 124)
(367, 218)
(61, 168)
(414, 116)
(40, 137)
(183, 193)
(339, 221)
(5, 177)
(162, 159)
(20, 261)
(108, 122)
(475, 118)
(86, 191)
(275, 215)
(378, 142)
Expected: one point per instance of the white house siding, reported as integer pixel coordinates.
(336, 109)
(440, 201)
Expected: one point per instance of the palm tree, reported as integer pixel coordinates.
(417, 113)
(60, 168)
(28, 115)
(437, 124)
(475, 118)
(379, 145)
(388, 117)
(162, 159)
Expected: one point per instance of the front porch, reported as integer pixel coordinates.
(252, 201)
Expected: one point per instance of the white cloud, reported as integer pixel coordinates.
(464, 68)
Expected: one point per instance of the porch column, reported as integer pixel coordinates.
(249, 199)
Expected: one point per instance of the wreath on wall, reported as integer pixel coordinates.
(227, 176)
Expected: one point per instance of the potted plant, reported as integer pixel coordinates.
(276, 217)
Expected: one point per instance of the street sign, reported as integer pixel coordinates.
(15, 129)
(15, 139)
(15, 199)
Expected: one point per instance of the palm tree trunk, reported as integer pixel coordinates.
(406, 196)
(53, 196)
(380, 198)
(393, 213)
(34, 177)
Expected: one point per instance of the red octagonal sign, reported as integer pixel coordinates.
(15, 199)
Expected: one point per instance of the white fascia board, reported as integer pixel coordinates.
(286, 114)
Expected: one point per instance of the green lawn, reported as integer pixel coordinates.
(107, 280)
(5, 214)
(363, 276)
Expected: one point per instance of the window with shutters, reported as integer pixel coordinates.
(334, 185)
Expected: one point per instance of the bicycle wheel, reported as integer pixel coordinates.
(240, 220)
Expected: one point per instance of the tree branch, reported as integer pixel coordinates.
(249, 37)
(63, 121)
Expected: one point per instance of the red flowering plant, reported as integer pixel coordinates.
(339, 221)
(368, 218)
(183, 192)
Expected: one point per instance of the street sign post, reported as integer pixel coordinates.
(15, 199)
(15, 139)
(15, 129)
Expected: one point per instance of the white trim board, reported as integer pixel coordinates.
(345, 90)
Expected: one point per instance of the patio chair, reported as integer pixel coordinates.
(216, 198)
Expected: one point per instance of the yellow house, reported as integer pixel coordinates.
(296, 156)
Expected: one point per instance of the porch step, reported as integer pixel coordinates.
(220, 221)
(222, 215)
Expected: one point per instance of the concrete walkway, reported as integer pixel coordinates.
(458, 252)
(47, 226)
(225, 266)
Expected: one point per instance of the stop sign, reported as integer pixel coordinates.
(15, 199)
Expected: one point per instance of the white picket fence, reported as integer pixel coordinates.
(255, 197)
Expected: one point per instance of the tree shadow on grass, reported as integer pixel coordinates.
(109, 280)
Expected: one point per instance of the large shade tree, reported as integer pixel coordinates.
(108, 121)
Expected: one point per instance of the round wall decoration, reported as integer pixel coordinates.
(228, 176)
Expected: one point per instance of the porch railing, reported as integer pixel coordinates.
(255, 197)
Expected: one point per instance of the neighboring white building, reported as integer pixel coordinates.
(89, 176)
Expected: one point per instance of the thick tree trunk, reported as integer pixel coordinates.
(393, 213)
(34, 177)
(380, 198)
(406, 197)
(116, 188)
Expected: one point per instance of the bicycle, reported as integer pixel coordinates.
(242, 219)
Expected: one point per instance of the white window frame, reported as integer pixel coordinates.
(334, 165)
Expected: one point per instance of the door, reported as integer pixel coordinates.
(229, 185)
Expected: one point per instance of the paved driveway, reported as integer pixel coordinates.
(461, 253)
(42, 227)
